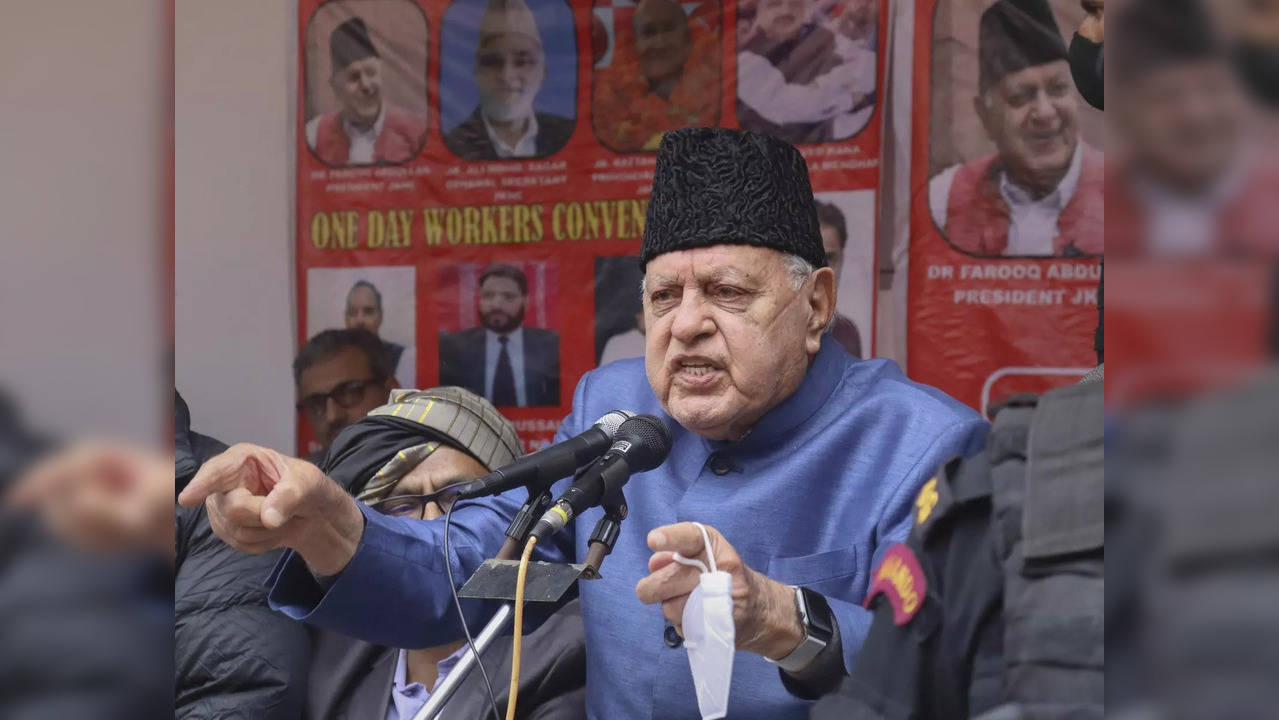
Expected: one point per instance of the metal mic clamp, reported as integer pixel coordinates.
(517, 531)
(606, 531)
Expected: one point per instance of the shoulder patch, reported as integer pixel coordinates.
(901, 579)
(934, 501)
(926, 501)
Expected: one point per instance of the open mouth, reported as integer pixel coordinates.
(695, 372)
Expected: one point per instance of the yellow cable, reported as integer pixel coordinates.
(519, 627)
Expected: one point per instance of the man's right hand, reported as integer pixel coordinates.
(259, 499)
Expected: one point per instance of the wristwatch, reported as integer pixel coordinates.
(815, 618)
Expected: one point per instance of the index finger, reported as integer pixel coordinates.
(684, 538)
(225, 472)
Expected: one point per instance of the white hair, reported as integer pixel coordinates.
(797, 267)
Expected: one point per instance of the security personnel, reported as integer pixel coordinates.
(994, 604)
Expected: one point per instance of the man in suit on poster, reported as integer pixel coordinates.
(502, 360)
(835, 239)
(510, 66)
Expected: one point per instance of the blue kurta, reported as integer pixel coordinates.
(812, 496)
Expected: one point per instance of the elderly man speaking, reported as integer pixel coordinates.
(801, 463)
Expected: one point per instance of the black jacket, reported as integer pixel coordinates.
(352, 679)
(462, 363)
(470, 140)
(233, 657)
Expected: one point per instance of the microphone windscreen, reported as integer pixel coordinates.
(650, 440)
(612, 421)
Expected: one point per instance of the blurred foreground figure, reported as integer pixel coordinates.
(1195, 179)
(1195, 630)
(1190, 472)
(85, 634)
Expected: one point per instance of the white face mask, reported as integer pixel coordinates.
(709, 634)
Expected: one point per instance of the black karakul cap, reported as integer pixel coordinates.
(715, 186)
(350, 42)
(1015, 35)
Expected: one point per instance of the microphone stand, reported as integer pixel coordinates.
(435, 704)
(604, 536)
(516, 533)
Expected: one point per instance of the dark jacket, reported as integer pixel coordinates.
(352, 678)
(462, 363)
(470, 141)
(233, 657)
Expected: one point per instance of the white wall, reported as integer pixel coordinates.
(234, 300)
(84, 139)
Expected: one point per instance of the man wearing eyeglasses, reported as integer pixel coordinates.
(341, 375)
(395, 460)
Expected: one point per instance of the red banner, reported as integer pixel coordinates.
(437, 139)
(1007, 221)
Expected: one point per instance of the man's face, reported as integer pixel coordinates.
(1184, 122)
(509, 70)
(501, 304)
(445, 467)
(1030, 115)
(358, 87)
(834, 252)
(661, 39)
(362, 310)
(782, 19)
(728, 337)
(349, 370)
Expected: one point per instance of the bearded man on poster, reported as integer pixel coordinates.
(504, 360)
(800, 463)
(510, 66)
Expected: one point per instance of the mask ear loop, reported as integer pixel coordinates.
(694, 562)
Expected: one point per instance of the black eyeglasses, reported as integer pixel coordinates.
(346, 395)
(413, 505)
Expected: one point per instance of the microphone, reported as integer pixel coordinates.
(548, 464)
(641, 444)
